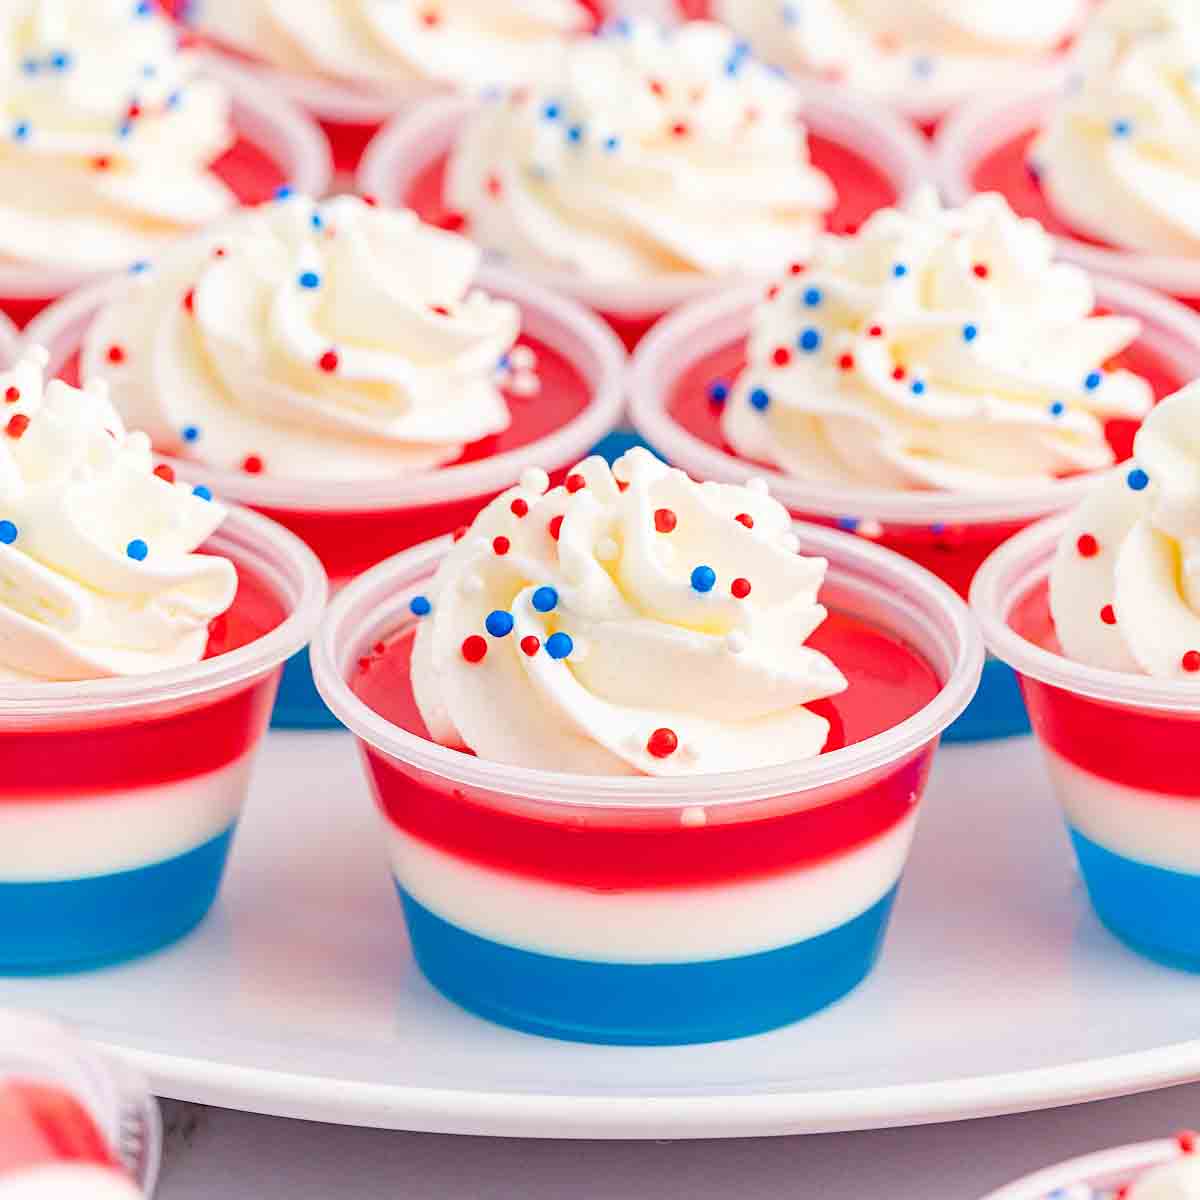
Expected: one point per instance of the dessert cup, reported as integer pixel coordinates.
(949, 533)
(873, 158)
(351, 525)
(651, 910)
(1120, 750)
(64, 1107)
(277, 146)
(982, 148)
(120, 796)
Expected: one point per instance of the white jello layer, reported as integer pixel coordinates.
(67, 1181)
(1151, 827)
(44, 841)
(661, 925)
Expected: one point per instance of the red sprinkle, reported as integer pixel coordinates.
(440, 309)
(494, 186)
(773, 291)
(1087, 545)
(1187, 1139)
(657, 88)
(680, 129)
(622, 485)
(530, 646)
(981, 270)
(745, 519)
(575, 483)
(252, 464)
(519, 507)
(555, 527)
(662, 743)
(460, 533)
(796, 268)
(115, 354)
(431, 18)
(740, 588)
(665, 520)
(898, 372)
(165, 473)
(453, 222)
(328, 362)
(370, 200)
(101, 162)
(17, 424)
(501, 545)
(189, 300)
(875, 331)
(474, 648)
(781, 356)
(133, 111)
(219, 252)
(846, 362)
(1191, 663)
(1108, 615)
(12, 395)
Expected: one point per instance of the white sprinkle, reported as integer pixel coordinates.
(757, 484)
(607, 550)
(522, 358)
(870, 528)
(693, 817)
(534, 479)
(736, 642)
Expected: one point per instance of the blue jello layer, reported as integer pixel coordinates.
(70, 925)
(644, 1004)
(997, 711)
(298, 704)
(1154, 910)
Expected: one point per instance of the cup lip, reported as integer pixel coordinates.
(241, 530)
(1014, 569)
(986, 123)
(678, 340)
(1103, 1166)
(328, 653)
(310, 170)
(413, 139)
(556, 320)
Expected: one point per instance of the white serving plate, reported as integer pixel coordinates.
(997, 991)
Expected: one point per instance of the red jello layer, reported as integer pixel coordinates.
(1136, 747)
(889, 682)
(41, 1125)
(176, 741)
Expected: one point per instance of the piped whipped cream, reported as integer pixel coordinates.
(925, 54)
(98, 570)
(935, 349)
(1125, 584)
(628, 622)
(1117, 158)
(68, 1181)
(104, 158)
(393, 45)
(309, 341)
(647, 151)
(1179, 1180)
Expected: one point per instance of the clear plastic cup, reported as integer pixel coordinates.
(74, 1124)
(653, 911)
(276, 145)
(10, 340)
(874, 159)
(1097, 1176)
(981, 147)
(119, 797)
(352, 525)
(1121, 753)
(948, 533)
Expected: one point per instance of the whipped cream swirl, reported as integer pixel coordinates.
(1125, 584)
(309, 341)
(1179, 1180)
(923, 54)
(1117, 158)
(935, 349)
(392, 45)
(109, 136)
(98, 570)
(648, 152)
(629, 622)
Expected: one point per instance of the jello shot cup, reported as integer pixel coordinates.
(352, 525)
(276, 147)
(1120, 751)
(639, 910)
(74, 1124)
(682, 372)
(873, 158)
(120, 796)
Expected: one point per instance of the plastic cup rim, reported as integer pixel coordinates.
(42, 702)
(1012, 571)
(1102, 1166)
(665, 342)
(837, 766)
(445, 485)
(403, 147)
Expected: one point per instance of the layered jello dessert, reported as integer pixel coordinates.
(1099, 612)
(142, 629)
(649, 760)
(934, 382)
(118, 144)
(353, 63)
(73, 1125)
(650, 165)
(347, 370)
(1107, 161)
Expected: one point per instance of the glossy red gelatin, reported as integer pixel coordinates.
(40, 1125)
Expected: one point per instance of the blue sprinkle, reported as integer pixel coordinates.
(849, 524)
(8, 533)
(923, 66)
(545, 599)
(1092, 381)
(918, 387)
(809, 341)
(938, 527)
(1137, 479)
(419, 606)
(1057, 408)
(137, 550)
(499, 623)
(759, 399)
(136, 268)
(201, 492)
(551, 111)
(60, 60)
(813, 297)
(704, 579)
(149, 71)
(619, 27)
(285, 191)
(31, 66)
(143, 8)
(791, 14)
(733, 64)
(21, 130)
(309, 280)
(718, 391)
(899, 270)
(612, 144)
(124, 129)
(575, 134)
(174, 99)
(318, 221)
(1121, 127)
(970, 333)
(1034, 170)
(191, 433)
(559, 645)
